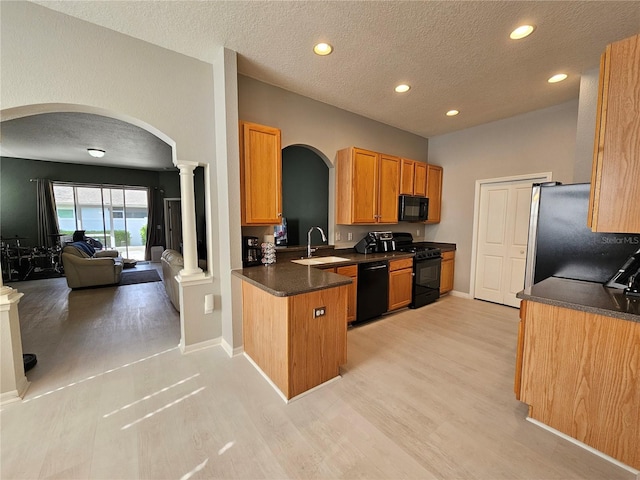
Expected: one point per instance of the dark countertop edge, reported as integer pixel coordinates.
(293, 291)
(608, 312)
(296, 274)
(445, 247)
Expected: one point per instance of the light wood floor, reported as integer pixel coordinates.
(426, 393)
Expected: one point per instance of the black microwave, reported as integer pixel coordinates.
(413, 209)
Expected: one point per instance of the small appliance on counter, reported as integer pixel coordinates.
(376, 242)
(251, 252)
(628, 277)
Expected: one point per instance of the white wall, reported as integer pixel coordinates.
(304, 121)
(539, 141)
(51, 58)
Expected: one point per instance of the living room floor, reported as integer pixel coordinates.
(426, 393)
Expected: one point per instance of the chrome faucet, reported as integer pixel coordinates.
(309, 249)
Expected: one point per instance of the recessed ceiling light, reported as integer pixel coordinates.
(557, 78)
(452, 113)
(403, 87)
(95, 152)
(322, 49)
(521, 32)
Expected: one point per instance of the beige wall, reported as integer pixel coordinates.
(304, 121)
(539, 141)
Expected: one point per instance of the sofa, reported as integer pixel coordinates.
(83, 270)
(172, 263)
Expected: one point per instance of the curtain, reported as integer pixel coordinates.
(154, 235)
(48, 229)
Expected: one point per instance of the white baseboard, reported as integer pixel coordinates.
(279, 392)
(261, 372)
(232, 352)
(17, 395)
(455, 293)
(199, 346)
(618, 463)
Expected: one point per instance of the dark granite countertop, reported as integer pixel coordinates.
(584, 296)
(285, 278)
(445, 247)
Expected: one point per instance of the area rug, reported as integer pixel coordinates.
(131, 277)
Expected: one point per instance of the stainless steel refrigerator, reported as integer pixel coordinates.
(561, 244)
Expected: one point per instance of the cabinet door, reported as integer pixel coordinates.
(352, 299)
(615, 185)
(389, 183)
(434, 192)
(446, 272)
(400, 283)
(364, 176)
(420, 179)
(260, 174)
(407, 172)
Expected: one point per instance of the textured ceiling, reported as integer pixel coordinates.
(454, 54)
(65, 137)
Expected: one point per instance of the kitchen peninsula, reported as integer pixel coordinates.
(578, 359)
(295, 320)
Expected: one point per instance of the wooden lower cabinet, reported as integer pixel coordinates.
(352, 299)
(578, 372)
(400, 283)
(446, 272)
(296, 350)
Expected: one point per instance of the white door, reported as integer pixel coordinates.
(502, 241)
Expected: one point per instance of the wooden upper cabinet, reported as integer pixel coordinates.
(413, 178)
(434, 192)
(366, 187)
(420, 179)
(615, 178)
(388, 189)
(407, 172)
(260, 174)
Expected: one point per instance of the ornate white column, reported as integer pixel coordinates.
(13, 382)
(189, 237)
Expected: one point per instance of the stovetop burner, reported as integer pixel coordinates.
(404, 243)
(421, 251)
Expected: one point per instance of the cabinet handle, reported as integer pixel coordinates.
(279, 214)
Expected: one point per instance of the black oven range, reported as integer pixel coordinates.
(426, 269)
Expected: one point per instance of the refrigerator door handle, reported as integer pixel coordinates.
(533, 230)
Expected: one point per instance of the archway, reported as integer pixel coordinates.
(40, 109)
(305, 191)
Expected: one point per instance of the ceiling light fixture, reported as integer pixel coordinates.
(452, 113)
(95, 152)
(322, 49)
(402, 88)
(557, 78)
(521, 32)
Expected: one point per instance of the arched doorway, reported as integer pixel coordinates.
(305, 192)
(76, 305)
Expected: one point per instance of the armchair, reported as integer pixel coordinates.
(82, 270)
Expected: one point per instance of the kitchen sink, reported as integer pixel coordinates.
(320, 260)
